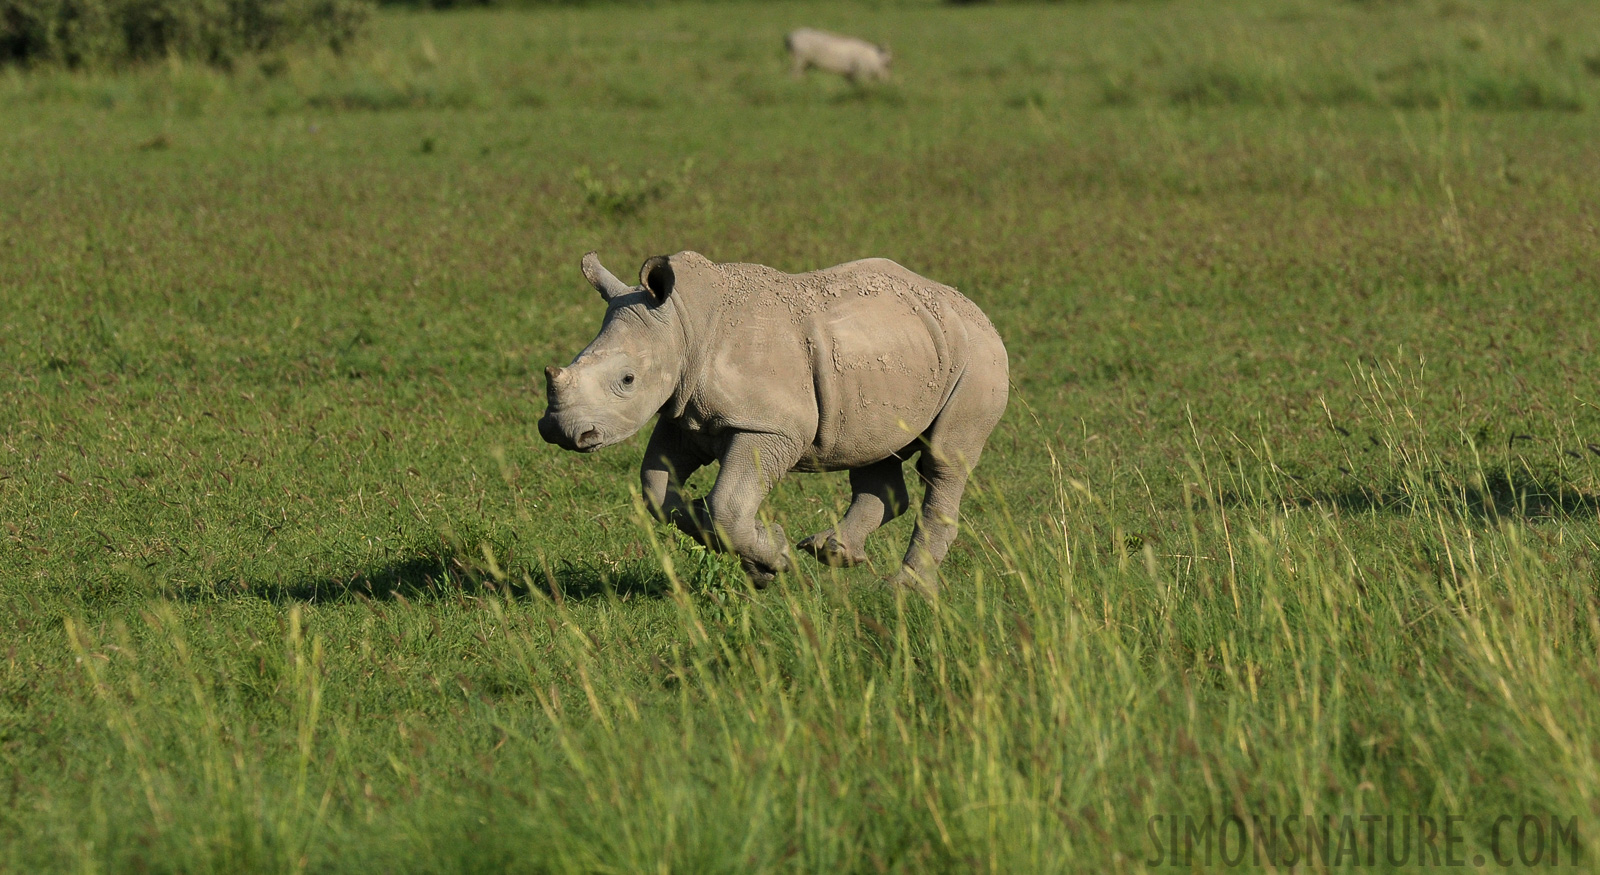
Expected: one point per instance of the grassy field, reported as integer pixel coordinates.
(1294, 511)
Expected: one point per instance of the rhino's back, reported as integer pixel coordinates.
(887, 348)
(856, 359)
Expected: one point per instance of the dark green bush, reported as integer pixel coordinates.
(978, 2)
(504, 4)
(111, 32)
(524, 4)
(1520, 91)
(1221, 86)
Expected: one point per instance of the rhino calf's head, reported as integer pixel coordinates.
(627, 372)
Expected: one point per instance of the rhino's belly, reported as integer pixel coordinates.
(881, 376)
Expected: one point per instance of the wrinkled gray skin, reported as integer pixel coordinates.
(856, 367)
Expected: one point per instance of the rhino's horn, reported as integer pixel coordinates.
(604, 281)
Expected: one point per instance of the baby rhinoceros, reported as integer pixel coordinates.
(857, 367)
(852, 58)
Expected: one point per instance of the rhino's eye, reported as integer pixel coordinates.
(627, 379)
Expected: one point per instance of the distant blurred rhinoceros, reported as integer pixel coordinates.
(851, 58)
(853, 368)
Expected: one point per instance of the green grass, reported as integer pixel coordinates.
(1294, 510)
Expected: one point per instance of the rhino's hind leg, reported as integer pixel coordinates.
(944, 479)
(951, 448)
(878, 496)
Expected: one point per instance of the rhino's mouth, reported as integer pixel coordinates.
(582, 436)
(586, 440)
(580, 439)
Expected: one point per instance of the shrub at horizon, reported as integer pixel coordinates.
(92, 33)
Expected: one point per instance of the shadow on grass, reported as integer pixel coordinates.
(887, 95)
(444, 577)
(1521, 495)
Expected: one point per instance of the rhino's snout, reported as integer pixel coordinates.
(553, 433)
(550, 430)
(587, 440)
(550, 426)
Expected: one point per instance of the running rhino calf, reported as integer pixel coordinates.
(851, 58)
(856, 367)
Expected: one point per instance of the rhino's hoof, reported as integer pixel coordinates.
(925, 584)
(760, 574)
(826, 547)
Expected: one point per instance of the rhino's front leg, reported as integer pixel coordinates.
(670, 459)
(750, 465)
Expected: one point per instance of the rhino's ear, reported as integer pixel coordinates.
(657, 278)
(604, 281)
